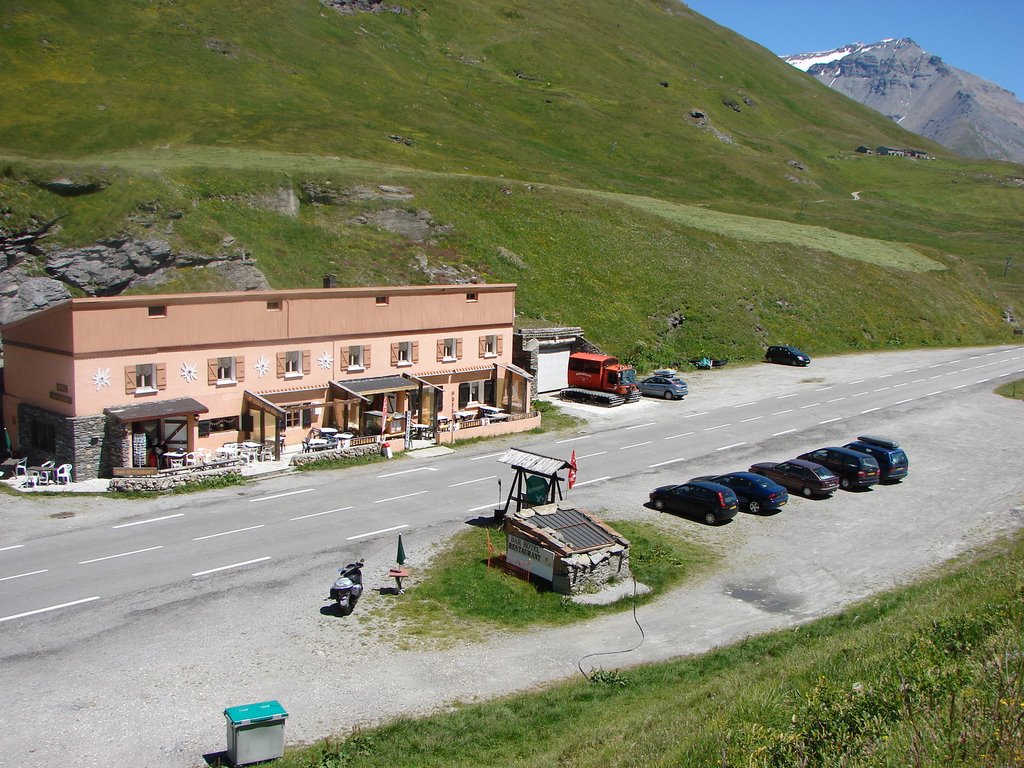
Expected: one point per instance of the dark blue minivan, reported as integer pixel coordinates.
(893, 463)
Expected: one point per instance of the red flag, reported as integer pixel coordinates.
(572, 470)
(384, 416)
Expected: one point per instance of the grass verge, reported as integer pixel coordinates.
(1012, 389)
(928, 675)
(460, 598)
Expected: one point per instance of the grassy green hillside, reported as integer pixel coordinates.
(553, 143)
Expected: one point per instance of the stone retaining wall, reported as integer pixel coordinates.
(167, 482)
(301, 459)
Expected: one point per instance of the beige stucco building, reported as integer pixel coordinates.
(103, 382)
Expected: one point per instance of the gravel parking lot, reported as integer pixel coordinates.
(152, 692)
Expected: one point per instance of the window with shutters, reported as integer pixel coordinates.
(449, 350)
(490, 346)
(145, 378)
(404, 353)
(292, 364)
(225, 370)
(355, 358)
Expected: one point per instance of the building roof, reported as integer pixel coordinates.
(566, 531)
(373, 385)
(157, 409)
(533, 462)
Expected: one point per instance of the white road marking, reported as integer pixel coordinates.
(960, 358)
(822, 389)
(51, 608)
(227, 533)
(317, 514)
(634, 445)
(663, 463)
(869, 410)
(881, 389)
(18, 576)
(637, 426)
(470, 482)
(860, 394)
(959, 386)
(809, 405)
(936, 392)
(681, 434)
(482, 506)
(407, 471)
(938, 364)
(917, 381)
(403, 496)
(233, 565)
(897, 386)
(783, 397)
(911, 370)
(123, 554)
(982, 381)
(281, 495)
(884, 376)
(752, 418)
(901, 402)
(589, 455)
(727, 447)
(698, 413)
(858, 381)
(744, 405)
(384, 530)
(779, 413)
(595, 480)
(570, 439)
(13, 546)
(477, 458)
(151, 520)
(836, 399)
(719, 426)
(829, 421)
(783, 432)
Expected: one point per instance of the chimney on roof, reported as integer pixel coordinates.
(330, 281)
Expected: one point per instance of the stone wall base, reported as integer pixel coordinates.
(155, 483)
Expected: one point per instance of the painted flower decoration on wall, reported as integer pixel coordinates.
(189, 372)
(262, 367)
(101, 378)
(325, 361)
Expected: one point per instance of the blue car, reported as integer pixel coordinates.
(670, 387)
(756, 493)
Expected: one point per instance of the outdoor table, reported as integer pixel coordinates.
(251, 451)
(170, 457)
(317, 443)
(465, 414)
(328, 431)
(42, 475)
(398, 574)
(497, 416)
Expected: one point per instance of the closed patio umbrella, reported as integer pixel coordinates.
(5, 443)
(401, 551)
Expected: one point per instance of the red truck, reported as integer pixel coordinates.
(600, 379)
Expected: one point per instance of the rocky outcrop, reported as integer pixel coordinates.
(22, 293)
(110, 266)
(350, 7)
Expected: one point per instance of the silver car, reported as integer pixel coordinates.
(668, 387)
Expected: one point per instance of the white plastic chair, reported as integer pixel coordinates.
(21, 468)
(64, 474)
(191, 460)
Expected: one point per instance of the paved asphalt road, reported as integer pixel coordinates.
(118, 578)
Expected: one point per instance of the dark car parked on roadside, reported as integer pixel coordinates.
(854, 469)
(892, 460)
(711, 502)
(756, 493)
(800, 476)
(668, 387)
(786, 355)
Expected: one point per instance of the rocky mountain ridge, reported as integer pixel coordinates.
(965, 113)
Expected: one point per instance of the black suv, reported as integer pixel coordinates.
(786, 356)
(892, 461)
(712, 502)
(855, 469)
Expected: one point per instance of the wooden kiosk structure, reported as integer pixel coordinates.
(536, 483)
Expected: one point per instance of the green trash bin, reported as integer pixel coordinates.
(255, 732)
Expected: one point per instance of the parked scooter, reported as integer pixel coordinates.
(348, 587)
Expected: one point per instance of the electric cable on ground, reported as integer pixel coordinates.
(579, 664)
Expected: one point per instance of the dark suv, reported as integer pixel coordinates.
(854, 469)
(712, 502)
(786, 356)
(892, 461)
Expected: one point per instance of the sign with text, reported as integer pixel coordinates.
(528, 556)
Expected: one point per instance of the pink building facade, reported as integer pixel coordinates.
(110, 382)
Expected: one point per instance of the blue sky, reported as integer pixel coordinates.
(983, 37)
